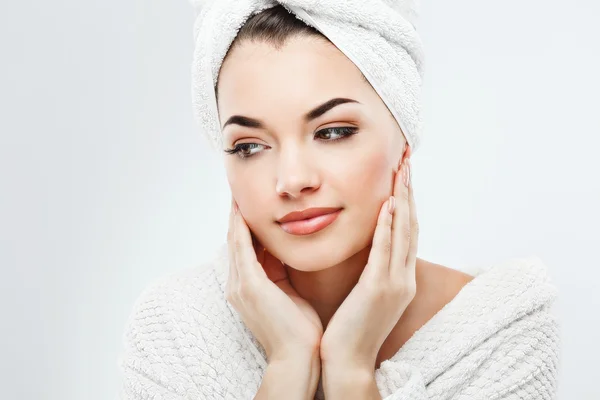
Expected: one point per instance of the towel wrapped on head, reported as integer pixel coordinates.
(378, 36)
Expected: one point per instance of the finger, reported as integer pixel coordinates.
(233, 274)
(411, 258)
(274, 268)
(401, 220)
(379, 257)
(245, 257)
(259, 249)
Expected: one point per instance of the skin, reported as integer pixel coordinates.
(294, 166)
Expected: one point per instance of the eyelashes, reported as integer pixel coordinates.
(246, 150)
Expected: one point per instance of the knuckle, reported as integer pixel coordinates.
(405, 289)
(399, 287)
(384, 223)
(244, 290)
(247, 289)
(407, 231)
(387, 222)
(232, 295)
(384, 242)
(405, 195)
(386, 293)
(386, 245)
(237, 244)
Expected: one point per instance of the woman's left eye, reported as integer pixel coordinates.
(331, 134)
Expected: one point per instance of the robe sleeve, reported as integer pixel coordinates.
(519, 362)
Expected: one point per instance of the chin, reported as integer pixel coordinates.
(316, 254)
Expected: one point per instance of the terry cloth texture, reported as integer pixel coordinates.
(378, 36)
(497, 339)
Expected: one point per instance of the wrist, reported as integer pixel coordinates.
(359, 383)
(297, 375)
(295, 355)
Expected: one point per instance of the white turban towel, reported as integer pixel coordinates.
(378, 36)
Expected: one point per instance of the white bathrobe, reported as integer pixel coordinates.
(497, 339)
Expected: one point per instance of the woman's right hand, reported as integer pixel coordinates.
(259, 289)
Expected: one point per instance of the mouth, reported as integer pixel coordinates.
(308, 221)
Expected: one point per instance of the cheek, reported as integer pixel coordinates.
(250, 192)
(375, 175)
(367, 179)
(363, 186)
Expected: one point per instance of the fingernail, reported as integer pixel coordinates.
(391, 204)
(235, 208)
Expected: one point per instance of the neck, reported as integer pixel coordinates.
(326, 289)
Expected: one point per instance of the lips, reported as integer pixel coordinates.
(309, 221)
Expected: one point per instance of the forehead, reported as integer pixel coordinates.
(304, 68)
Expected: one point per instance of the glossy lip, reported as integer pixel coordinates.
(308, 221)
(308, 213)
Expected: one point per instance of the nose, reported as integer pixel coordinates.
(296, 174)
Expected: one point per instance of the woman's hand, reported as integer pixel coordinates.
(260, 291)
(386, 287)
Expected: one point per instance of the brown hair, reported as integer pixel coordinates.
(275, 26)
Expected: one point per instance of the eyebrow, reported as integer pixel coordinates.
(309, 116)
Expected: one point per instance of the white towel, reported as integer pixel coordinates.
(378, 36)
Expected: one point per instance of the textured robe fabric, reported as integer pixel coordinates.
(497, 339)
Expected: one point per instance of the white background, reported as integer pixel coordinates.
(106, 183)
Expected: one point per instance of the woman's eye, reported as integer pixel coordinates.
(331, 134)
(245, 150)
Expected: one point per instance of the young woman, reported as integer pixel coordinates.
(319, 292)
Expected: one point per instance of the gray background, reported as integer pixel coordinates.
(106, 183)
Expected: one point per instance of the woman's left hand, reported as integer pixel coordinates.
(386, 287)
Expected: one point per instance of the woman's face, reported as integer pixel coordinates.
(290, 159)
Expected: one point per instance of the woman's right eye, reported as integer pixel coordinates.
(245, 150)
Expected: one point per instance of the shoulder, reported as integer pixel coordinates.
(523, 278)
(452, 279)
(186, 298)
(483, 303)
(508, 309)
(438, 285)
(173, 326)
(499, 332)
(181, 297)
